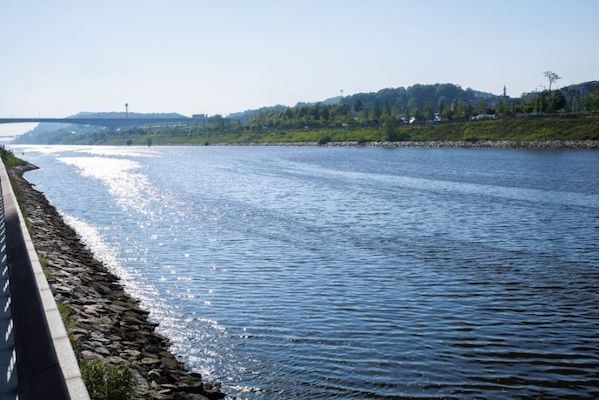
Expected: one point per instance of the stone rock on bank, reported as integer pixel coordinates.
(105, 322)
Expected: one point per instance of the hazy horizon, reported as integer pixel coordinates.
(188, 57)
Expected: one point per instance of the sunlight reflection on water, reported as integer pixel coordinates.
(351, 273)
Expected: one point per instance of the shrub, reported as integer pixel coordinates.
(9, 158)
(324, 140)
(469, 135)
(402, 137)
(390, 127)
(105, 382)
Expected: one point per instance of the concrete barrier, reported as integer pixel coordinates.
(46, 367)
(8, 372)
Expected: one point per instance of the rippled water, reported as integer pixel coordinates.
(352, 273)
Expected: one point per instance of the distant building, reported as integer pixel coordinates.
(201, 117)
(481, 117)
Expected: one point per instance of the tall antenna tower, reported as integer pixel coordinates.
(341, 91)
(127, 110)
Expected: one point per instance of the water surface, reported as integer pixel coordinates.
(352, 272)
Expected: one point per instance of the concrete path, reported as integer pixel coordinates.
(8, 373)
(34, 340)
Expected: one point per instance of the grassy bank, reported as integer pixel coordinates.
(549, 127)
(9, 159)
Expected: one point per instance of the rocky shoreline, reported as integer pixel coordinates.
(494, 144)
(500, 144)
(106, 323)
(497, 144)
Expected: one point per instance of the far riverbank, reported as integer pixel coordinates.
(546, 131)
(505, 144)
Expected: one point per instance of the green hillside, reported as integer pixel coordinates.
(553, 127)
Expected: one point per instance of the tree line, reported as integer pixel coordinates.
(384, 110)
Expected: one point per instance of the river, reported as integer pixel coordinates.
(322, 273)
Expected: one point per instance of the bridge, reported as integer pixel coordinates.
(112, 123)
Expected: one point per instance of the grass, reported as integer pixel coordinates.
(44, 264)
(9, 159)
(67, 319)
(547, 127)
(105, 382)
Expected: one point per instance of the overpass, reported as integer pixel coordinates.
(112, 123)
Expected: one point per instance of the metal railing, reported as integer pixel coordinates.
(42, 357)
(8, 373)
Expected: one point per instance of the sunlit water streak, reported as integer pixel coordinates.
(351, 273)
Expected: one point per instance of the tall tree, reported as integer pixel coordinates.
(457, 108)
(411, 107)
(441, 103)
(468, 110)
(558, 101)
(386, 113)
(481, 107)
(377, 111)
(504, 108)
(552, 77)
(542, 103)
(418, 115)
(591, 102)
(358, 106)
(428, 111)
(390, 128)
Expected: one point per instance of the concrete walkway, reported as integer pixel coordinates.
(8, 373)
(35, 345)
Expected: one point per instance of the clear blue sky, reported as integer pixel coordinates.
(62, 57)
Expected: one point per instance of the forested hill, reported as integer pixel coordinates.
(54, 132)
(386, 114)
(399, 100)
(418, 96)
(419, 103)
